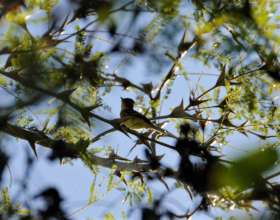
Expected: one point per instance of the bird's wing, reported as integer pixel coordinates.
(130, 115)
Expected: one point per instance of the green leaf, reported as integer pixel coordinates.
(3, 81)
(150, 196)
(247, 170)
(92, 196)
(109, 216)
(111, 183)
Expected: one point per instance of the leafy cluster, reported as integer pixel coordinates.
(58, 81)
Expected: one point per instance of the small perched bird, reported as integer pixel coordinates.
(135, 120)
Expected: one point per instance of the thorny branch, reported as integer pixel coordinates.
(183, 49)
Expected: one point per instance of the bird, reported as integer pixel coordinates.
(134, 120)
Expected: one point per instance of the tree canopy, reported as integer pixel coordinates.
(205, 72)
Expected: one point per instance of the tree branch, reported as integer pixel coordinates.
(40, 138)
(183, 49)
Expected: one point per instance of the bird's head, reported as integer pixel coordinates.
(127, 103)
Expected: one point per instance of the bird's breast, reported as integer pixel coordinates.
(135, 123)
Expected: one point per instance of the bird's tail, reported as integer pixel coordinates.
(162, 131)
